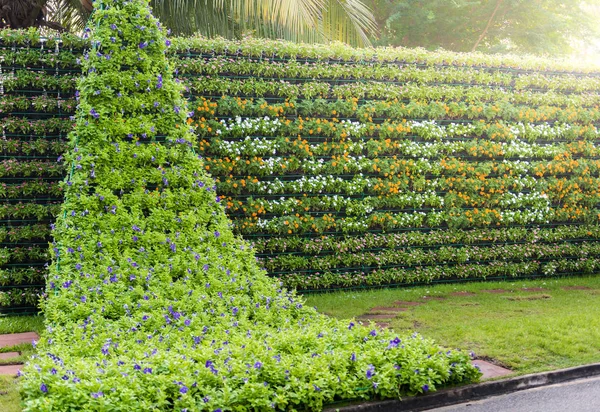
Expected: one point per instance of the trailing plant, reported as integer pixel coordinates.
(152, 302)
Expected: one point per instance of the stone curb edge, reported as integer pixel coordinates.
(474, 392)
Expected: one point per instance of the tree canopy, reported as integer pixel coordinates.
(520, 26)
(349, 21)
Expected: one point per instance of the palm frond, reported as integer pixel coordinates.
(68, 13)
(186, 17)
(349, 21)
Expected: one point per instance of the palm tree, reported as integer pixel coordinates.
(349, 21)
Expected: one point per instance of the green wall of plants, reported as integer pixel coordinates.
(353, 168)
(346, 168)
(37, 97)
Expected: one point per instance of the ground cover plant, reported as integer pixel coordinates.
(526, 326)
(153, 303)
(9, 385)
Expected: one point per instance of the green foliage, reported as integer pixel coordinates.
(320, 21)
(306, 21)
(9, 402)
(520, 26)
(153, 303)
(452, 161)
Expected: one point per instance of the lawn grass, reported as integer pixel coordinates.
(525, 330)
(10, 401)
(18, 324)
(9, 387)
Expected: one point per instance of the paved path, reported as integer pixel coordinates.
(11, 340)
(581, 395)
(17, 338)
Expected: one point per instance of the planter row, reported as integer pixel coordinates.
(278, 50)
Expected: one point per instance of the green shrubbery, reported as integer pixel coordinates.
(153, 303)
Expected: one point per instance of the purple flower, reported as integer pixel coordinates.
(168, 42)
(425, 388)
(258, 365)
(94, 113)
(370, 371)
(147, 370)
(235, 311)
(113, 26)
(143, 45)
(183, 389)
(353, 357)
(394, 343)
(373, 333)
(145, 317)
(44, 388)
(97, 395)
(83, 299)
(187, 322)
(217, 234)
(351, 325)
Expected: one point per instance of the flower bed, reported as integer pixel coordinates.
(153, 303)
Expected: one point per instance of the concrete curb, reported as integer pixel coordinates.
(475, 391)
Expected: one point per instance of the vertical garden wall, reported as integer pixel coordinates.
(353, 168)
(345, 168)
(37, 96)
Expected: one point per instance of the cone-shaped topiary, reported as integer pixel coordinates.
(152, 303)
